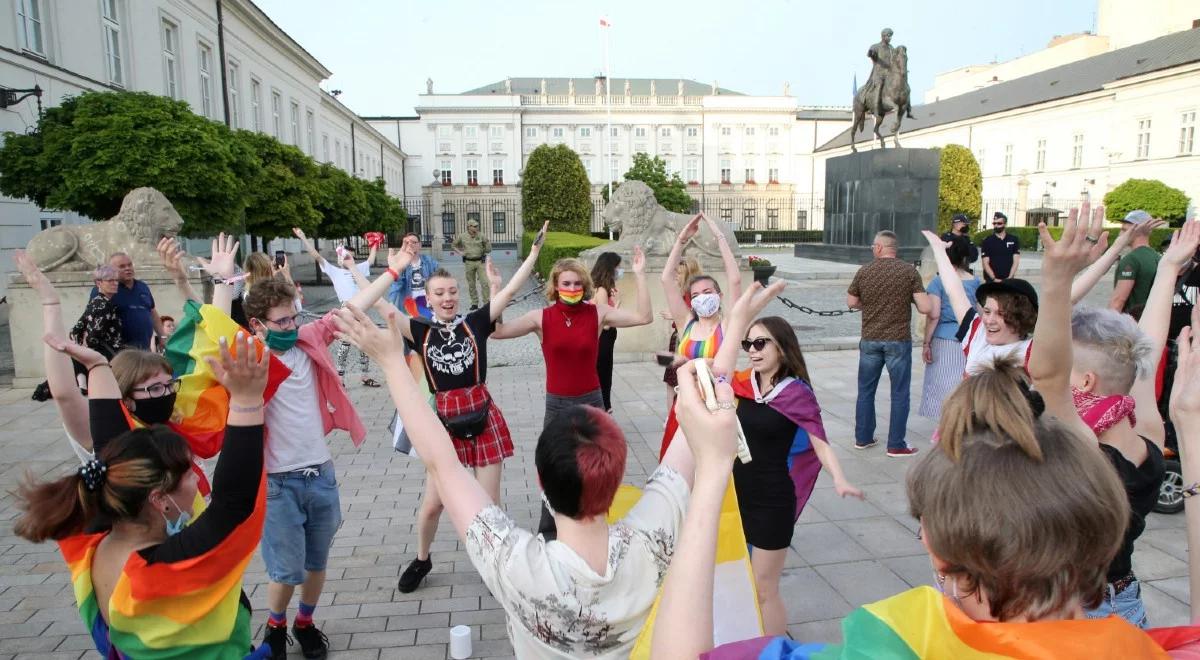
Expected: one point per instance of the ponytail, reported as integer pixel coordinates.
(136, 462)
(997, 403)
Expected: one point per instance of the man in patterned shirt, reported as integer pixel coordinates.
(885, 291)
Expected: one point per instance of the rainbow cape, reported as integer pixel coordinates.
(735, 601)
(416, 305)
(187, 609)
(796, 401)
(202, 405)
(922, 623)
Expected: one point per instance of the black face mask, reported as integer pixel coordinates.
(998, 230)
(154, 411)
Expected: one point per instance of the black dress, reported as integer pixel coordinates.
(765, 492)
(1141, 487)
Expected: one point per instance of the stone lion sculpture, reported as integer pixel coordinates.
(145, 217)
(642, 221)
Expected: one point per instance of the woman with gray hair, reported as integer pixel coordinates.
(99, 328)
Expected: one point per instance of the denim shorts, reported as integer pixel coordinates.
(1128, 605)
(303, 513)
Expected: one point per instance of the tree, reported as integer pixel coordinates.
(1150, 195)
(342, 202)
(670, 191)
(281, 193)
(960, 186)
(555, 187)
(385, 213)
(86, 154)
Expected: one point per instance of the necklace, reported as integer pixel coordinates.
(566, 319)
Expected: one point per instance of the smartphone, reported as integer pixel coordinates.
(279, 258)
(541, 238)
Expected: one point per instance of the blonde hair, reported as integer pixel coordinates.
(132, 366)
(563, 265)
(691, 269)
(259, 268)
(1020, 507)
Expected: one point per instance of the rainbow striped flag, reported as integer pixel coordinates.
(416, 305)
(922, 623)
(735, 600)
(186, 609)
(202, 405)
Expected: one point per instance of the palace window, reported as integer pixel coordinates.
(1143, 138)
(1077, 151)
(170, 45)
(29, 26)
(205, 66)
(112, 41)
(1187, 132)
(1041, 155)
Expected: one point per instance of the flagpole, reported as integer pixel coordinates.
(604, 27)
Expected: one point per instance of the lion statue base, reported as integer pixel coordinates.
(146, 216)
(641, 220)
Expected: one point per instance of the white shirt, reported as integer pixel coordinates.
(295, 434)
(557, 606)
(981, 354)
(343, 281)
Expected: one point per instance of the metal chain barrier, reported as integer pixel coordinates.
(538, 286)
(817, 312)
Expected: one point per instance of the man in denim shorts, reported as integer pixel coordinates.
(303, 507)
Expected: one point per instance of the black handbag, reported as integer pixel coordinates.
(468, 425)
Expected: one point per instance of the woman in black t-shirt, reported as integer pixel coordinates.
(454, 348)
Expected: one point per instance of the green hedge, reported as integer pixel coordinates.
(746, 237)
(558, 245)
(1031, 241)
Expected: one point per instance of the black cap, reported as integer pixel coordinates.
(959, 217)
(998, 214)
(1019, 287)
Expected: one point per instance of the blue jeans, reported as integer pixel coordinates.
(303, 513)
(1128, 605)
(873, 356)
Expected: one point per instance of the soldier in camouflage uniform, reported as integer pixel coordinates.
(474, 248)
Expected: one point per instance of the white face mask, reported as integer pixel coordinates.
(620, 273)
(706, 304)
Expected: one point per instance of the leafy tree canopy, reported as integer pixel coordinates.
(555, 187)
(669, 190)
(1150, 195)
(281, 193)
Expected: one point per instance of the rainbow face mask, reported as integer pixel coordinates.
(570, 297)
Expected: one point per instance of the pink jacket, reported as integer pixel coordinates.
(336, 410)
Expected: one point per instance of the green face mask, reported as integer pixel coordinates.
(282, 340)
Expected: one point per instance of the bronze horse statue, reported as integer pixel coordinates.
(893, 98)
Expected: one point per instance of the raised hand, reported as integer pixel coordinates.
(690, 229)
(243, 372)
(358, 329)
(1083, 241)
(493, 273)
(754, 300)
(171, 255)
(82, 354)
(284, 269)
(935, 241)
(299, 233)
(710, 435)
(399, 259)
(1183, 244)
(541, 237)
(1185, 394)
(35, 278)
(224, 257)
(639, 260)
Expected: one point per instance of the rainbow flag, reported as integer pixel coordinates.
(202, 405)
(735, 601)
(192, 608)
(416, 305)
(922, 623)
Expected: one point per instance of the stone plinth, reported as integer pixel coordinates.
(73, 288)
(641, 342)
(869, 191)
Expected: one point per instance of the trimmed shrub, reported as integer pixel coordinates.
(558, 245)
(1151, 195)
(555, 187)
(960, 186)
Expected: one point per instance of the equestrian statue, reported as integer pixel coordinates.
(886, 91)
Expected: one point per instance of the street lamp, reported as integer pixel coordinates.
(8, 97)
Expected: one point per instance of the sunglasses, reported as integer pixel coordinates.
(160, 389)
(757, 344)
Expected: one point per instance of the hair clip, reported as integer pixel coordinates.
(93, 474)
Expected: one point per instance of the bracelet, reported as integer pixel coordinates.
(1191, 490)
(245, 409)
(97, 366)
(392, 271)
(51, 304)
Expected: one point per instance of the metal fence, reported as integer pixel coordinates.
(1008, 207)
(499, 219)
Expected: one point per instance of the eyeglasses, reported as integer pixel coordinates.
(757, 344)
(156, 390)
(286, 322)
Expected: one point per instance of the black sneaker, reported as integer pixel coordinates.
(416, 571)
(278, 639)
(474, 307)
(313, 643)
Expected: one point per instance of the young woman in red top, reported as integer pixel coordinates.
(569, 329)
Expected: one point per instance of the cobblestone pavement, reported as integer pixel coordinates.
(845, 553)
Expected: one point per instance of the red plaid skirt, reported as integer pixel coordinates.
(494, 444)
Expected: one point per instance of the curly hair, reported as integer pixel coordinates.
(1016, 310)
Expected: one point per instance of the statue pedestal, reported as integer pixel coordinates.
(869, 191)
(642, 342)
(73, 289)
